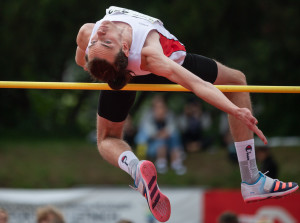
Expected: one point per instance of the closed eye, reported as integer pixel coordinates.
(103, 44)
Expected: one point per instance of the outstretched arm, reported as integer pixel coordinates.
(156, 62)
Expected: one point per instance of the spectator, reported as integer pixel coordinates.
(226, 138)
(129, 131)
(158, 132)
(193, 123)
(49, 214)
(267, 163)
(3, 216)
(228, 217)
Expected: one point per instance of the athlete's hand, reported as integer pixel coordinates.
(244, 115)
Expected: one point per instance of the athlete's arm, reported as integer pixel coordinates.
(82, 41)
(161, 65)
(79, 57)
(156, 62)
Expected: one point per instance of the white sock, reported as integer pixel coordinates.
(246, 156)
(128, 162)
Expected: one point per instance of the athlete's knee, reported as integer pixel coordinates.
(104, 144)
(229, 76)
(108, 142)
(242, 78)
(238, 78)
(100, 144)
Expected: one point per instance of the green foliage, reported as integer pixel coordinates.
(259, 37)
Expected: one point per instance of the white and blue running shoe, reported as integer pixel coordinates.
(265, 188)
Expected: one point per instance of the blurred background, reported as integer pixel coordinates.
(47, 137)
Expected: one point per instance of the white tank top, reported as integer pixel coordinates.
(141, 25)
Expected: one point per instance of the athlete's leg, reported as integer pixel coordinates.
(228, 76)
(216, 73)
(113, 109)
(112, 112)
(242, 136)
(255, 186)
(109, 138)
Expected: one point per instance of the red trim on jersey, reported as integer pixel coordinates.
(170, 45)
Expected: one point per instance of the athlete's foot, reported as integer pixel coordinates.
(146, 183)
(266, 187)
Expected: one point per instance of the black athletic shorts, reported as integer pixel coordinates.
(115, 105)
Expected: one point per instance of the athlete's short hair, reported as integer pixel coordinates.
(116, 75)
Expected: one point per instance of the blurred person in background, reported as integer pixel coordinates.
(158, 131)
(267, 163)
(49, 214)
(129, 131)
(3, 216)
(226, 138)
(128, 46)
(193, 123)
(228, 217)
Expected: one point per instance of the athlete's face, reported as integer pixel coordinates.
(106, 43)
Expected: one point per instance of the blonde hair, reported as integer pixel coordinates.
(45, 212)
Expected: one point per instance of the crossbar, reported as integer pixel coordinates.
(144, 87)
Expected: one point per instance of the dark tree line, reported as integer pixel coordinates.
(259, 37)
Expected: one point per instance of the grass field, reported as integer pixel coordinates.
(64, 163)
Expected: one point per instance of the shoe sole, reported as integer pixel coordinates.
(277, 195)
(158, 203)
